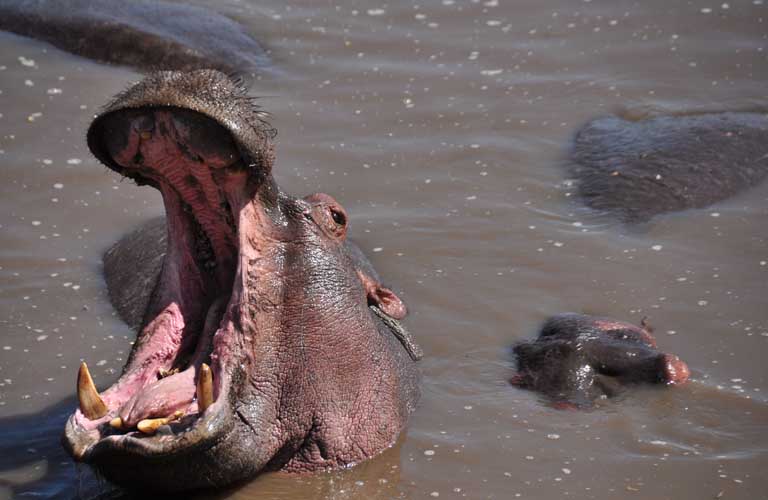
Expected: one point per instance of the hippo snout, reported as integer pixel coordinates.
(146, 139)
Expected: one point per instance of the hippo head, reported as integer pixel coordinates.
(267, 340)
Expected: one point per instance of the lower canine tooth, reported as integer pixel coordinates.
(91, 404)
(204, 388)
(150, 425)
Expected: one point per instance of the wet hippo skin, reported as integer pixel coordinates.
(266, 339)
(578, 358)
(147, 35)
(635, 170)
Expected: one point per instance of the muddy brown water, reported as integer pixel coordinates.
(442, 127)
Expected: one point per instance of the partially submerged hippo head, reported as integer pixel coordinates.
(578, 358)
(258, 349)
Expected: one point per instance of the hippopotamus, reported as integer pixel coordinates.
(148, 35)
(578, 358)
(266, 339)
(637, 169)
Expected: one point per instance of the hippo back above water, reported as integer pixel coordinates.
(148, 35)
(635, 170)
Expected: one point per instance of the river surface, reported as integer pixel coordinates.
(442, 126)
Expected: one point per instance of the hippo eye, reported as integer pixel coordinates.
(338, 217)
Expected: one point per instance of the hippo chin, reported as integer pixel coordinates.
(266, 339)
(577, 359)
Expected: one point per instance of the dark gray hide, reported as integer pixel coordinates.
(143, 34)
(637, 169)
(130, 291)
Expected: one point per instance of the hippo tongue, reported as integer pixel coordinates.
(160, 399)
(175, 392)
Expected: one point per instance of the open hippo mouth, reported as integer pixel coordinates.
(175, 388)
(170, 379)
(267, 341)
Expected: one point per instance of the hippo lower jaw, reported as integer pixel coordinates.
(143, 397)
(188, 435)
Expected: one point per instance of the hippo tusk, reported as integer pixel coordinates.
(150, 425)
(91, 404)
(204, 388)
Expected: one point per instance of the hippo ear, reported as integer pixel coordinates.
(383, 297)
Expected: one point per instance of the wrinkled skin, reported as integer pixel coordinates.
(577, 359)
(262, 286)
(148, 35)
(635, 170)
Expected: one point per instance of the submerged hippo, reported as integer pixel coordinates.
(267, 341)
(635, 170)
(149, 35)
(579, 358)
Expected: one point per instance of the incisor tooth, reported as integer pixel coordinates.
(204, 388)
(116, 423)
(150, 425)
(91, 404)
(163, 373)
